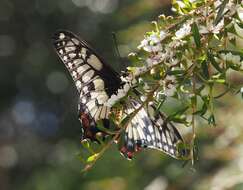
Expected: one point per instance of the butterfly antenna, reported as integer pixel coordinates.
(116, 45)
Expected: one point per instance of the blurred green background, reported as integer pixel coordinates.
(39, 130)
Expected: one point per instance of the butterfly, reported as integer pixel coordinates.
(96, 82)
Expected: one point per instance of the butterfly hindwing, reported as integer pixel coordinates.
(149, 129)
(94, 80)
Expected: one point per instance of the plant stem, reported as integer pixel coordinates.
(193, 119)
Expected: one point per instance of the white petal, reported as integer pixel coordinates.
(240, 13)
(238, 30)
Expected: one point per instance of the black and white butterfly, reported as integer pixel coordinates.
(96, 82)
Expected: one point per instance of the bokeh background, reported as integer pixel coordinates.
(39, 130)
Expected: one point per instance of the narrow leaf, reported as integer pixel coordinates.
(205, 69)
(175, 72)
(196, 35)
(179, 112)
(222, 81)
(198, 90)
(220, 12)
(103, 129)
(211, 120)
(214, 63)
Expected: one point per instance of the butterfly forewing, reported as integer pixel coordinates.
(94, 80)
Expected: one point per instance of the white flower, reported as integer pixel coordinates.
(174, 62)
(181, 4)
(143, 43)
(157, 48)
(183, 31)
(161, 56)
(154, 39)
(203, 29)
(238, 30)
(177, 43)
(235, 59)
(146, 86)
(148, 48)
(216, 29)
(159, 95)
(162, 35)
(231, 36)
(241, 65)
(153, 61)
(229, 56)
(149, 62)
(211, 28)
(152, 43)
(143, 98)
(139, 70)
(217, 3)
(134, 81)
(170, 78)
(223, 56)
(170, 90)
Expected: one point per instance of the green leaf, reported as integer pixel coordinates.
(101, 127)
(121, 140)
(125, 119)
(85, 143)
(160, 105)
(176, 72)
(196, 35)
(178, 119)
(220, 12)
(178, 113)
(214, 63)
(135, 59)
(100, 137)
(183, 150)
(202, 111)
(198, 90)
(235, 67)
(222, 81)
(211, 120)
(204, 108)
(205, 69)
(194, 100)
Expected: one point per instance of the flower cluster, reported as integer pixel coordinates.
(229, 57)
(184, 58)
(184, 30)
(152, 43)
(174, 54)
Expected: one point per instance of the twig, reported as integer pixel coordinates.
(149, 98)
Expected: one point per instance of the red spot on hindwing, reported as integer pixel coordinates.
(85, 120)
